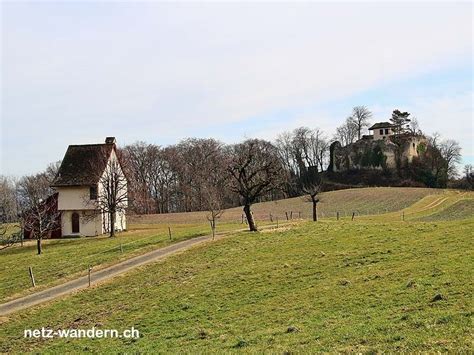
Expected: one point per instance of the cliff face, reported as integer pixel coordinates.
(392, 153)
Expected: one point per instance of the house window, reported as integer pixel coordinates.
(93, 192)
(386, 130)
(381, 132)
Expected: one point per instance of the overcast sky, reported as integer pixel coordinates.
(75, 72)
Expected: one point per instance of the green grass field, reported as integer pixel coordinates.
(373, 284)
(69, 258)
(64, 259)
(459, 210)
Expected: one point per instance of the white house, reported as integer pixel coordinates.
(80, 186)
(382, 130)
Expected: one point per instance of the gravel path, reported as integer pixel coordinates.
(98, 276)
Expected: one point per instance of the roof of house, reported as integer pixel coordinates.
(381, 125)
(83, 164)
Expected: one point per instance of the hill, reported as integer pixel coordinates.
(460, 210)
(374, 284)
(363, 201)
(68, 258)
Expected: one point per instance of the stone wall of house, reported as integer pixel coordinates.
(390, 153)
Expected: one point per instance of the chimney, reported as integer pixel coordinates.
(110, 140)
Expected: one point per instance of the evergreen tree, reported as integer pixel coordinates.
(400, 120)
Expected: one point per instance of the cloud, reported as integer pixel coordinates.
(158, 71)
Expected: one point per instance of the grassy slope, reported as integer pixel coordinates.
(460, 210)
(69, 258)
(363, 201)
(364, 285)
(63, 259)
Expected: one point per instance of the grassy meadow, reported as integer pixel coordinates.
(373, 284)
(64, 259)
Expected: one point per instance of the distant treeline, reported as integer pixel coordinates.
(201, 174)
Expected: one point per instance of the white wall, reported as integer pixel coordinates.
(120, 221)
(378, 135)
(74, 198)
(113, 158)
(90, 223)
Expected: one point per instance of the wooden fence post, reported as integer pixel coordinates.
(90, 270)
(291, 215)
(403, 215)
(121, 249)
(337, 214)
(299, 214)
(286, 213)
(353, 215)
(169, 232)
(32, 277)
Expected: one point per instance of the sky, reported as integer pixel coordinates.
(76, 72)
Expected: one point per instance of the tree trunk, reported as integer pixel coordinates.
(213, 227)
(38, 245)
(112, 224)
(251, 222)
(315, 210)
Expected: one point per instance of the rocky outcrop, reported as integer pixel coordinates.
(392, 153)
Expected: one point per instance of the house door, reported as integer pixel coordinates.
(75, 222)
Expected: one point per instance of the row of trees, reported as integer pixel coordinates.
(208, 175)
(184, 177)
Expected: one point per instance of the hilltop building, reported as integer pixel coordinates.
(382, 130)
(382, 150)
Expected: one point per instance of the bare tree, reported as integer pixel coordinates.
(214, 181)
(469, 175)
(137, 161)
(303, 148)
(310, 148)
(7, 238)
(299, 149)
(360, 118)
(162, 178)
(284, 145)
(52, 171)
(311, 184)
(414, 127)
(451, 153)
(8, 200)
(347, 133)
(255, 169)
(214, 200)
(112, 198)
(39, 209)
